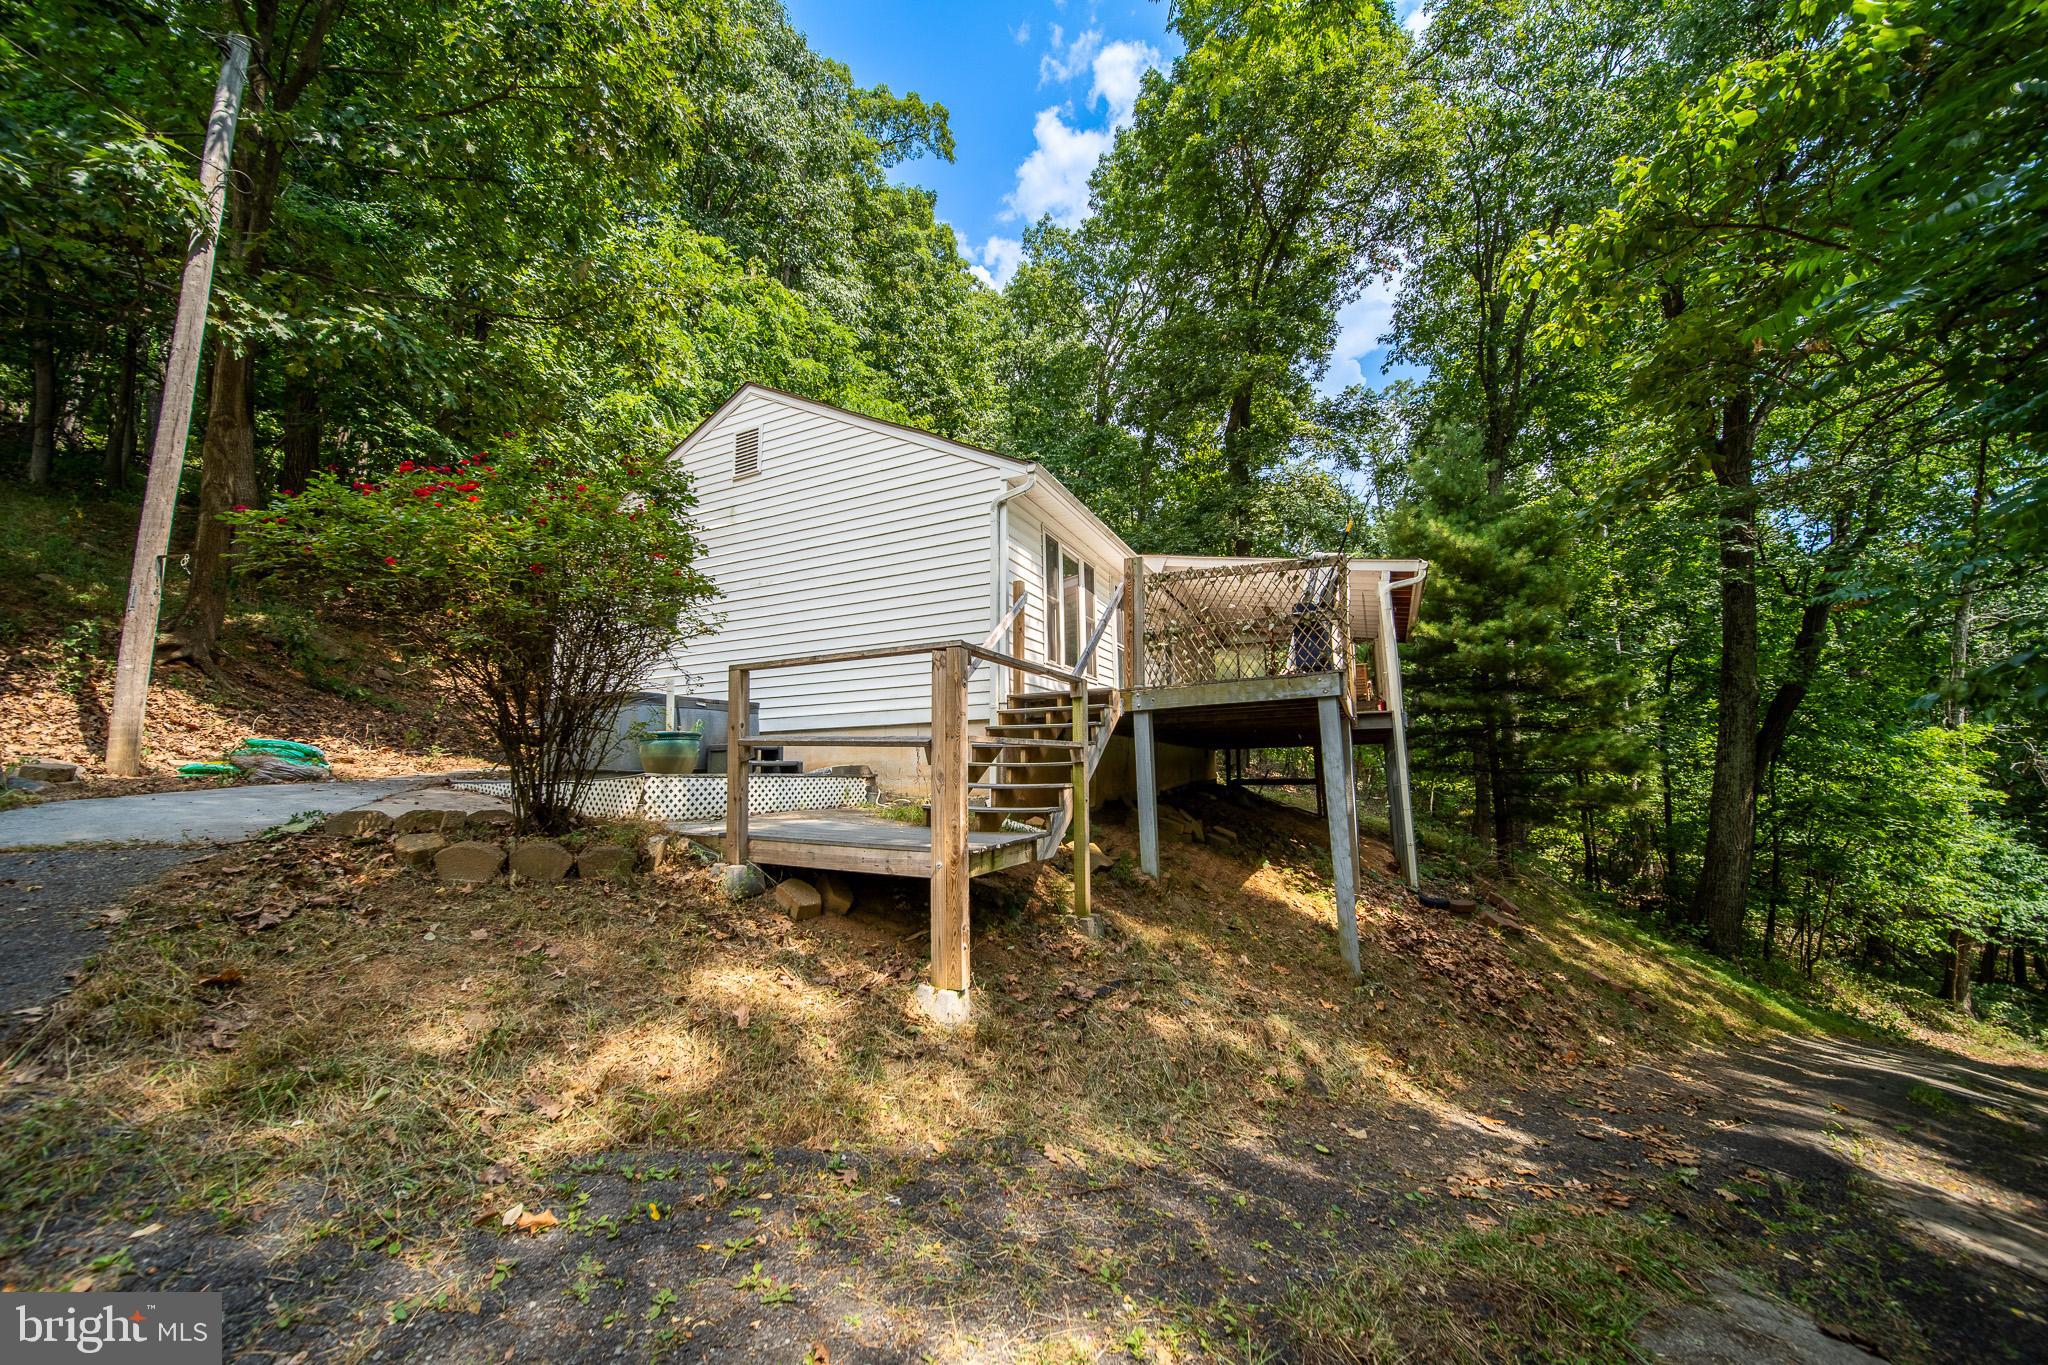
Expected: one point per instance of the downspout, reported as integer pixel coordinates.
(999, 601)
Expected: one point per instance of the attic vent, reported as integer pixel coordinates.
(746, 453)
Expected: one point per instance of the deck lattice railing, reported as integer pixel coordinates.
(1238, 622)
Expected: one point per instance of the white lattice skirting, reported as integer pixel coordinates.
(683, 797)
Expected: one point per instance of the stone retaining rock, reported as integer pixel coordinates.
(740, 881)
(357, 824)
(835, 892)
(414, 821)
(606, 861)
(800, 899)
(541, 860)
(471, 862)
(418, 848)
(48, 770)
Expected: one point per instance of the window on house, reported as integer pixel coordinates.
(746, 453)
(1069, 602)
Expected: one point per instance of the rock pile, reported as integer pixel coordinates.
(469, 847)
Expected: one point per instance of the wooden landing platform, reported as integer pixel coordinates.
(855, 841)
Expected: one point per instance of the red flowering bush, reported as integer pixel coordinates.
(546, 581)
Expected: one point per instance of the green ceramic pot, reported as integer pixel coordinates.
(672, 751)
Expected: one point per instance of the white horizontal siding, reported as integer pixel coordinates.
(849, 537)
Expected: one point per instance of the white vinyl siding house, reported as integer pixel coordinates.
(824, 530)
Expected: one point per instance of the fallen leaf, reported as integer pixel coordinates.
(522, 1219)
(146, 1231)
(225, 977)
(740, 1016)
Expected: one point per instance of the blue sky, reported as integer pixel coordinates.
(1035, 90)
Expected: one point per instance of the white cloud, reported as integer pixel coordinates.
(1119, 69)
(1054, 178)
(1360, 326)
(1021, 34)
(1417, 17)
(999, 258)
(1063, 61)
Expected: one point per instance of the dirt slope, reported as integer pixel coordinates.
(63, 584)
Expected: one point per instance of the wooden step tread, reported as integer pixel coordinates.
(1063, 726)
(1005, 743)
(1016, 811)
(1022, 786)
(1095, 694)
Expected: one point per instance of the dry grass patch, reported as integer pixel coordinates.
(400, 1048)
(1540, 1287)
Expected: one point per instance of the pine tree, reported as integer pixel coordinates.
(1502, 689)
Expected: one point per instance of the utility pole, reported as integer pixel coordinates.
(167, 451)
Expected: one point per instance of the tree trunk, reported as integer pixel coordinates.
(1987, 965)
(1664, 777)
(227, 477)
(1956, 714)
(301, 435)
(1955, 985)
(1482, 789)
(2019, 964)
(1238, 463)
(42, 449)
(1777, 883)
(121, 434)
(1723, 895)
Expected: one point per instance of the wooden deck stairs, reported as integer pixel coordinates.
(1020, 769)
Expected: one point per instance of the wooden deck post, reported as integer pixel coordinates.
(1019, 639)
(950, 874)
(1400, 807)
(1133, 627)
(1341, 799)
(1148, 793)
(738, 765)
(1084, 864)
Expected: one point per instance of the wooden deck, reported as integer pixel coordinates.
(855, 841)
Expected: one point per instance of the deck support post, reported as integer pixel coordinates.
(1341, 799)
(1148, 793)
(950, 872)
(738, 765)
(1084, 859)
(1400, 807)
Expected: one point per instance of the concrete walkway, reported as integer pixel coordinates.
(221, 815)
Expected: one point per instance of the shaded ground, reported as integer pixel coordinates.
(49, 904)
(1819, 1168)
(321, 1083)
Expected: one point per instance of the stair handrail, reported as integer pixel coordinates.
(1101, 627)
(995, 636)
